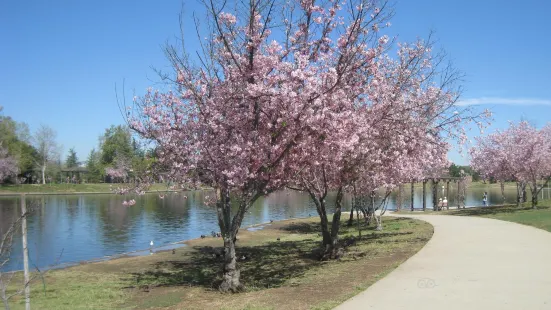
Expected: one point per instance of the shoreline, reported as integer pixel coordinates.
(279, 263)
(78, 193)
(145, 252)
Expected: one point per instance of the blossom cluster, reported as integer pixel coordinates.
(520, 153)
(322, 104)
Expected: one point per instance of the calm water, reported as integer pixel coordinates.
(73, 228)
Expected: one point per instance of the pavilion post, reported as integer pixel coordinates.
(424, 195)
(458, 196)
(434, 194)
(412, 194)
(448, 193)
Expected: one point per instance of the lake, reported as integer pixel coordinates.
(66, 229)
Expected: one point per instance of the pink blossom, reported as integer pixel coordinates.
(227, 18)
(520, 153)
(8, 165)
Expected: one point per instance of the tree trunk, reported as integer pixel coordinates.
(372, 211)
(229, 228)
(335, 226)
(44, 173)
(399, 199)
(6, 304)
(330, 237)
(351, 218)
(325, 233)
(519, 194)
(358, 222)
(502, 185)
(534, 190)
(25, 253)
(231, 275)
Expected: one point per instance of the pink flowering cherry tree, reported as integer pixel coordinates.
(395, 123)
(242, 118)
(8, 165)
(521, 153)
(301, 94)
(120, 169)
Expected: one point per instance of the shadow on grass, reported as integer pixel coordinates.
(494, 210)
(266, 265)
(262, 266)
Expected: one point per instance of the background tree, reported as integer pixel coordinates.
(116, 141)
(455, 171)
(521, 153)
(15, 138)
(47, 148)
(94, 167)
(8, 165)
(72, 159)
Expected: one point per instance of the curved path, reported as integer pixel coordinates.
(470, 263)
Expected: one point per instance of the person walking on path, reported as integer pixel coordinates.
(485, 199)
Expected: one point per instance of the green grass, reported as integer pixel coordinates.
(72, 289)
(479, 184)
(540, 217)
(285, 273)
(525, 214)
(66, 188)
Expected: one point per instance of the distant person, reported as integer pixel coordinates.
(445, 202)
(485, 199)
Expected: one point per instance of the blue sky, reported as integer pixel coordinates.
(60, 60)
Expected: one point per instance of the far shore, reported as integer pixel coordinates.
(104, 188)
(75, 189)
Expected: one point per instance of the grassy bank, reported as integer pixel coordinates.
(540, 217)
(279, 274)
(66, 188)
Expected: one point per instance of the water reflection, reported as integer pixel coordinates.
(86, 227)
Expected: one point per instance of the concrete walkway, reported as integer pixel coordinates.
(470, 263)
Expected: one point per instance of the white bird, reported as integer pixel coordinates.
(151, 243)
